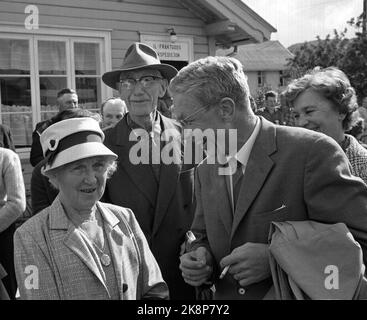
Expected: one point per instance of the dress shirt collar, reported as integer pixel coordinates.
(243, 154)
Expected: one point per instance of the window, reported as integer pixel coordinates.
(260, 78)
(15, 87)
(281, 79)
(33, 68)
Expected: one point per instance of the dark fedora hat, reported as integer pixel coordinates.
(139, 56)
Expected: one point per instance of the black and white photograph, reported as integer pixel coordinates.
(194, 152)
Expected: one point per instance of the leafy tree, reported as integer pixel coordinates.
(350, 55)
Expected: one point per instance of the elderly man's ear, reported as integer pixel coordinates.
(163, 88)
(227, 109)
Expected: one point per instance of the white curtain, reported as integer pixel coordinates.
(14, 55)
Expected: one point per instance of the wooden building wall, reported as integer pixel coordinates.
(125, 18)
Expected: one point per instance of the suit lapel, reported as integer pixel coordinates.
(141, 174)
(73, 240)
(115, 241)
(75, 243)
(258, 168)
(169, 174)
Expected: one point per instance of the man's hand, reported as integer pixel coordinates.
(249, 263)
(196, 266)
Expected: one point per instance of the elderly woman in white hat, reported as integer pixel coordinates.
(80, 248)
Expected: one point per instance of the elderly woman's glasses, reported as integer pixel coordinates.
(145, 81)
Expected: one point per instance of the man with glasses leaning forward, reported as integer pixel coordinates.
(234, 212)
(160, 194)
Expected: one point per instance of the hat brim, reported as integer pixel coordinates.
(112, 77)
(78, 152)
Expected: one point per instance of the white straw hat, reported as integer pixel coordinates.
(73, 139)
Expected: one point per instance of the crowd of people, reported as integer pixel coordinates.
(107, 225)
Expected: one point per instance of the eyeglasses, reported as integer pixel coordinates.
(145, 81)
(186, 121)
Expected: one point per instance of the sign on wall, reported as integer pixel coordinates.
(180, 50)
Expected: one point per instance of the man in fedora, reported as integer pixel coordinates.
(160, 194)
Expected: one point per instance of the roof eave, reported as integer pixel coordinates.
(235, 23)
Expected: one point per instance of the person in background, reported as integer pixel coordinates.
(6, 140)
(271, 110)
(66, 99)
(273, 174)
(42, 191)
(112, 111)
(357, 131)
(12, 206)
(362, 110)
(165, 105)
(159, 193)
(83, 249)
(325, 101)
(287, 112)
(253, 104)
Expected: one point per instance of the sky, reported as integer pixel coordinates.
(302, 20)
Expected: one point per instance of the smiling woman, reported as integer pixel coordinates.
(83, 248)
(325, 101)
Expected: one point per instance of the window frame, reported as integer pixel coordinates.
(56, 33)
(260, 79)
(281, 78)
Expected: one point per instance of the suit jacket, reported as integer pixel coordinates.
(164, 210)
(51, 251)
(42, 191)
(6, 140)
(36, 154)
(3, 293)
(292, 174)
(300, 254)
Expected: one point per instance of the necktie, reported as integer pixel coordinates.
(237, 181)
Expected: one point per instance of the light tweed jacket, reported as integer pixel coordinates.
(50, 244)
(357, 156)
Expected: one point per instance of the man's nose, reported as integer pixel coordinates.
(138, 87)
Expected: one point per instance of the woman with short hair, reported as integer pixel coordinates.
(80, 248)
(325, 101)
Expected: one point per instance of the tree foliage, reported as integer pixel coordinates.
(350, 55)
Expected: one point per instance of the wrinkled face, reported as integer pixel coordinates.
(313, 111)
(270, 103)
(81, 183)
(68, 101)
(141, 97)
(113, 112)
